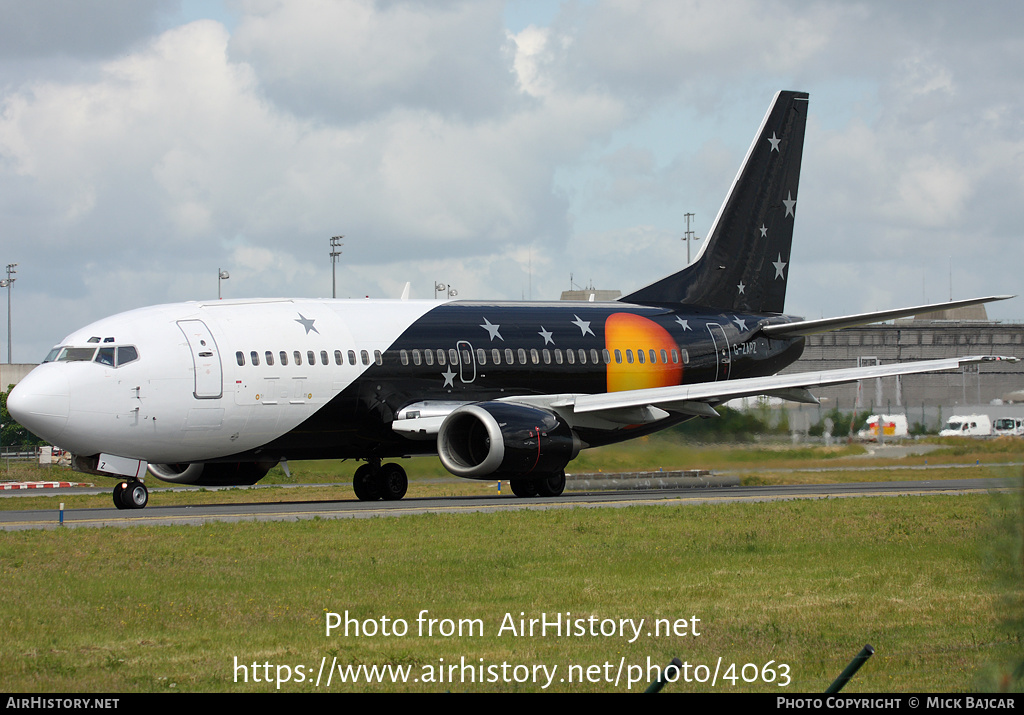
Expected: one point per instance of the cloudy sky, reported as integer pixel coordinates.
(500, 146)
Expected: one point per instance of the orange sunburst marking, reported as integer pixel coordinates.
(627, 332)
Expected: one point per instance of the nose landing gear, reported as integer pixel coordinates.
(131, 494)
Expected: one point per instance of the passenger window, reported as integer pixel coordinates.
(365, 356)
(496, 356)
(508, 357)
(310, 358)
(126, 354)
(270, 357)
(654, 358)
(534, 356)
(607, 357)
(428, 356)
(558, 356)
(403, 356)
(629, 357)
(547, 356)
(378, 357)
(440, 357)
(351, 357)
(640, 356)
(522, 356)
(583, 356)
(481, 356)
(416, 357)
(570, 357)
(664, 357)
(240, 358)
(298, 357)
(323, 357)
(338, 360)
(284, 358)
(618, 356)
(453, 357)
(594, 357)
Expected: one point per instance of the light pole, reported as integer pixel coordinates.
(221, 276)
(7, 284)
(688, 236)
(335, 244)
(442, 287)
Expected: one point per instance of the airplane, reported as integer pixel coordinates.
(219, 392)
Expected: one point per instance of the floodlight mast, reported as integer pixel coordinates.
(335, 244)
(221, 276)
(7, 284)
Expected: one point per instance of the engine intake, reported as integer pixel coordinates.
(501, 439)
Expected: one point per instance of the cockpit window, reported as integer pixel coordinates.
(52, 355)
(126, 354)
(105, 356)
(76, 354)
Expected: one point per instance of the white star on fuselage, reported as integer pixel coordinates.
(741, 324)
(492, 329)
(774, 142)
(684, 324)
(307, 323)
(741, 287)
(583, 325)
(790, 204)
(449, 377)
(780, 266)
(546, 334)
(764, 231)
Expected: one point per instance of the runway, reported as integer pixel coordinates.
(352, 509)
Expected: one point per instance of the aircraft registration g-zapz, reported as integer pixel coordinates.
(217, 393)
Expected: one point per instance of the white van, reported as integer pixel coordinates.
(892, 427)
(968, 426)
(1008, 426)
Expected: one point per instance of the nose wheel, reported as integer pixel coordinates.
(131, 494)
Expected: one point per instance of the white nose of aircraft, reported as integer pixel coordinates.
(40, 403)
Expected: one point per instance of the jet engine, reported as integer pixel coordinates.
(212, 474)
(502, 439)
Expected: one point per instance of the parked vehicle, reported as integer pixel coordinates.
(892, 426)
(1008, 426)
(968, 426)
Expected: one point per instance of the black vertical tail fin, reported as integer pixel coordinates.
(744, 263)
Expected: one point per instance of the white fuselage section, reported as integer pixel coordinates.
(186, 397)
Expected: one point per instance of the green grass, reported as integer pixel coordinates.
(933, 583)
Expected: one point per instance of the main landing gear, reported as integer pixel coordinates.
(373, 481)
(551, 485)
(131, 494)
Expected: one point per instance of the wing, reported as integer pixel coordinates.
(651, 405)
(613, 409)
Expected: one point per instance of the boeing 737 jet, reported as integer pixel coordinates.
(217, 393)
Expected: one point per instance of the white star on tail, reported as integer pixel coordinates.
(780, 266)
(774, 142)
(790, 204)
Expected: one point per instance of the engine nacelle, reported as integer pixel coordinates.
(490, 439)
(212, 474)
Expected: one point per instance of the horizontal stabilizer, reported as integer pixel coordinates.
(823, 325)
